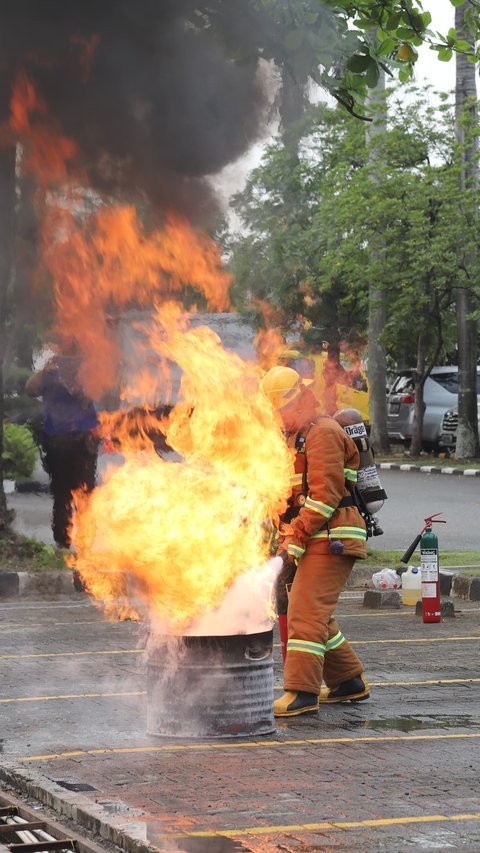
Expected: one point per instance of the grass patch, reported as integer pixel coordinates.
(21, 554)
(381, 559)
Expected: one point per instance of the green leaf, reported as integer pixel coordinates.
(457, 3)
(358, 63)
(387, 46)
(463, 45)
(445, 54)
(404, 75)
(417, 21)
(406, 33)
(393, 21)
(372, 74)
(363, 23)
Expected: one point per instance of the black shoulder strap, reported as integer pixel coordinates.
(300, 443)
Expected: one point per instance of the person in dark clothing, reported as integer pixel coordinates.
(333, 373)
(70, 443)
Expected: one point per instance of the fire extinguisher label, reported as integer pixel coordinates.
(429, 590)
(429, 560)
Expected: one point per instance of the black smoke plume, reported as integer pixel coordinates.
(158, 94)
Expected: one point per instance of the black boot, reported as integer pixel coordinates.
(356, 689)
(293, 703)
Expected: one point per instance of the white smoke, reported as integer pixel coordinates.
(248, 607)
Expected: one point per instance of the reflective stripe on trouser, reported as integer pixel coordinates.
(318, 583)
(340, 657)
(306, 647)
(335, 641)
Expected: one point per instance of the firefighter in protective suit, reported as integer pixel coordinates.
(323, 533)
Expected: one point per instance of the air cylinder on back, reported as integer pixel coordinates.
(368, 482)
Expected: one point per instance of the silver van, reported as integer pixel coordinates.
(441, 407)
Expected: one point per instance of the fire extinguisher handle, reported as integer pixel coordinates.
(408, 553)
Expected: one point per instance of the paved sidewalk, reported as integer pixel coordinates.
(395, 773)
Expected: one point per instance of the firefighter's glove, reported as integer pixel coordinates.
(284, 580)
(292, 554)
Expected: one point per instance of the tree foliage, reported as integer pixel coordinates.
(19, 451)
(310, 224)
(343, 44)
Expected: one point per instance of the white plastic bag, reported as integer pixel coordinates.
(386, 579)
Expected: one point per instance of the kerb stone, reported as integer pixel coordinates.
(475, 589)
(8, 584)
(461, 586)
(447, 608)
(382, 599)
(46, 583)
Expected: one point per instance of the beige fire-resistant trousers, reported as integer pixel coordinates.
(316, 647)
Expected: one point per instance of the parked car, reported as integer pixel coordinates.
(441, 407)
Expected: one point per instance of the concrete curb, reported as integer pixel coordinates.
(43, 487)
(466, 587)
(36, 486)
(75, 807)
(66, 583)
(32, 486)
(44, 584)
(428, 469)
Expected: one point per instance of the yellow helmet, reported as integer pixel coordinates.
(281, 385)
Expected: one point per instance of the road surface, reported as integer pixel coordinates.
(411, 497)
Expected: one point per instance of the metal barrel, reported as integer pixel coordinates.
(215, 687)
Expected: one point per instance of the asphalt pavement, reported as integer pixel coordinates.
(395, 773)
(392, 774)
(414, 495)
(411, 497)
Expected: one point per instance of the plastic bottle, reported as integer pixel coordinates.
(411, 585)
(386, 579)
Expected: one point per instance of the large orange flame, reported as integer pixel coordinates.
(171, 537)
(164, 537)
(108, 263)
(48, 153)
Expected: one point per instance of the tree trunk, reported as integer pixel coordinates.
(377, 311)
(466, 132)
(419, 405)
(7, 235)
(293, 99)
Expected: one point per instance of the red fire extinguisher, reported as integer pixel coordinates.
(283, 629)
(431, 610)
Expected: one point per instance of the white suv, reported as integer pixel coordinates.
(441, 407)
